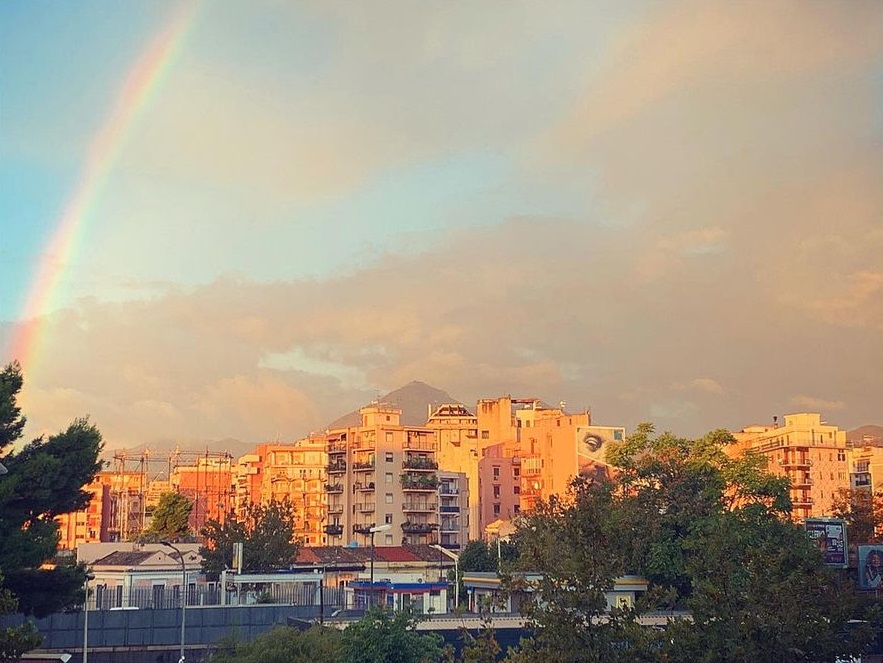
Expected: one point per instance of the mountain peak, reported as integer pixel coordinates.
(414, 400)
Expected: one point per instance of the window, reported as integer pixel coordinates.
(516, 472)
(389, 477)
(388, 433)
(496, 509)
(387, 519)
(516, 489)
(388, 498)
(496, 472)
(617, 435)
(387, 539)
(485, 435)
(496, 492)
(389, 456)
(841, 454)
(516, 508)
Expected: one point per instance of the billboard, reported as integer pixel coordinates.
(829, 535)
(870, 567)
(591, 448)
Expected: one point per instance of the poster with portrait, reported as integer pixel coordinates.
(829, 535)
(591, 448)
(870, 567)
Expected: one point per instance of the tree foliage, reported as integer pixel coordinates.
(267, 532)
(712, 535)
(171, 518)
(46, 478)
(386, 637)
(283, 645)
(862, 511)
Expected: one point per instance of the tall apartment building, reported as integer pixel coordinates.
(456, 430)
(382, 473)
(499, 472)
(866, 468)
(807, 450)
(92, 524)
(454, 515)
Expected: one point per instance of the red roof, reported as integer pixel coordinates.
(362, 554)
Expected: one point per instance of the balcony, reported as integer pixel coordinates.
(420, 507)
(362, 528)
(800, 481)
(420, 482)
(448, 489)
(335, 508)
(802, 501)
(418, 528)
(337, 447)
(450, 526)
(337, 467)
(366, 507)
(364, 487)
(334, 530)
(449, 508)
(333, 488)
(363, 466)
(795, 462)
(420, 464)
(419, 442)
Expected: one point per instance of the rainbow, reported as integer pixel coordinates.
(141, 84)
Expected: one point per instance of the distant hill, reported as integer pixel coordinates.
(863, 434)
(414, 400)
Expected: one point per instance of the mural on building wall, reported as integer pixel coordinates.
(591, 449)
(830, 537)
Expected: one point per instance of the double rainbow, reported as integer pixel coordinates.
(141, 84)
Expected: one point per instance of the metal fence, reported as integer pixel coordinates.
(161, 597)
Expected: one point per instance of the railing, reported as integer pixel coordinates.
(337, 467)
(334, 488)
(419, 442)
(337, 447)
(421, 482)
(419, 506)
(335, 508)
(362, 528)
(334, 530)
(149, 598)
(446, 489)
(418, 463)
(419, 528)
(364, 486)
(449, 508)
(363, 466)
(366, 507)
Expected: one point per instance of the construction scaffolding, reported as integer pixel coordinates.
(139, 479)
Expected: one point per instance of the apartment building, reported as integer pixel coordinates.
(92, 524)
(499, 472)
(810, 452)
(866, 468)
(454, 514)
(382, 473)
(456, 430)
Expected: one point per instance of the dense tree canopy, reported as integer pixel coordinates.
(711, 534)
(862, 511)
(267, 532)
(170, 520)
(283, 645)
(46, 478)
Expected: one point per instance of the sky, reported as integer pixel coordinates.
(242, 220)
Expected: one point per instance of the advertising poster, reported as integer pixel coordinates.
(870, 567)
(830, 537)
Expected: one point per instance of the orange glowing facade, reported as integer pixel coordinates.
(207, 483)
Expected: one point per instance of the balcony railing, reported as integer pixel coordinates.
(419, 463)
(418, 528)
(419, 482)
(366, 507)
(363, 466)
(419, 442)
(333, 530)
(335, 508)
(363, 487)
(334, 488)
(428, 507)
(362, 528)
(337, 447)
(447, 489)
(449, 508)
(795, 462)
(337, 467)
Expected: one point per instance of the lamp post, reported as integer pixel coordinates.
(183, 594)
(89, 576)
(456, 559)
(373, 531)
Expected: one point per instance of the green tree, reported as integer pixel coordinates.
(386, 637)
(283, 645)
(45, 479)
(477, 556)
(171, 518)
(862, 511)
(713, 536)
(267, 532)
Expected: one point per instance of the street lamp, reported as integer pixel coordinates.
(373, 531)
(183, 593)
(89, 576)
(456, 559)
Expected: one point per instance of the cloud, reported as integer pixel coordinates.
(816, 404)
(702, 385)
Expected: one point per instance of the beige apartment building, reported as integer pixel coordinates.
(456, 430)
(382, 473)
(810, 452)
